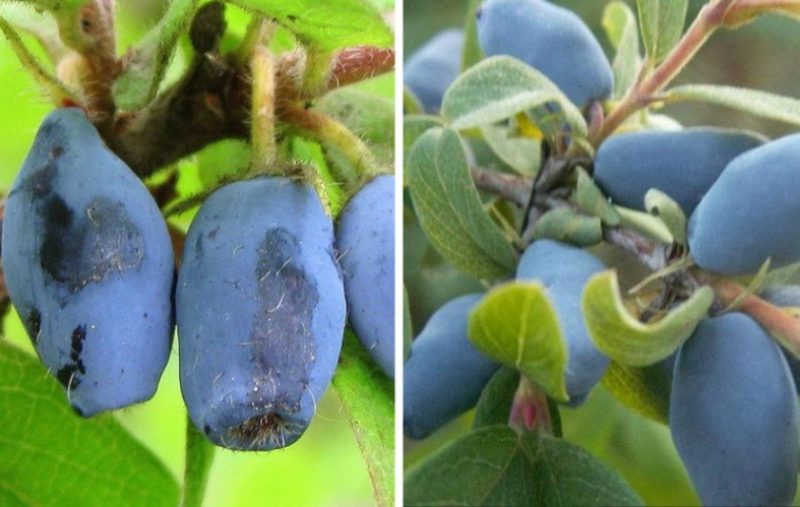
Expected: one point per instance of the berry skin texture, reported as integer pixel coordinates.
(365, 239)
(733, 414)
(444, 374)
(683, 164)
(89, 266)
(751, 212)
(261, 311)
(564, 271)
(552, 40)
(433, 67)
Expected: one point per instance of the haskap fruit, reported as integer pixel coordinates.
(365, 239)
(683, 164)
(733, 414)
(261, 312)
(564, 271)
(444, 374)
(89, 267)
(751, 212)
(551, 39)
(433, 67)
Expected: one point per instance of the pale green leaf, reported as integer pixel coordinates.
(570, 226)
(500, 87)
(619, 22)
(368, 399)
(449, 208)
(49, 456)
(516, 325)
(668, 211)
(414, 125)
(590, 199)
(756, 102)
(522, 154)
(496, 466)
(630, 342)
(661, 23)
(367, 115)
(199, 457)
(645, 223)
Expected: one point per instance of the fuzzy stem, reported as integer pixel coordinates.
(263, 113)
(640, 95)
(332, 134)
(784, 327)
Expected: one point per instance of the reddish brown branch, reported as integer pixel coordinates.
(213, 103)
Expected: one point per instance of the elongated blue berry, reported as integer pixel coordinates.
(89, 266)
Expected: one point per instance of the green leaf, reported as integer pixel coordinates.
(590, 199)
(138, 84)
(628, 341)
(414, 125)
(449, 208)
(496, 466)
(619, 22)
(668, 211)
(661, 23)
(516, 325)
(368, 398)
(199, 456)
(40, 25)
(49, 456)
(500, 87)
(369, 116)
(522, 154)
(494, 405)
(328, 25)
(645, 223)
(411, 104)
(646, 390)
(472, 52)
(568, 225)
(756, 102)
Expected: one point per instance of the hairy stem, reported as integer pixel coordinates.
(641, 94)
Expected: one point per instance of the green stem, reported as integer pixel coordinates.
(199, 456)
(334, 135)
(641, 94)
(57, 91)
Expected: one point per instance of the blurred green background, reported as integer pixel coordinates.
(761, 55)
(324, 467)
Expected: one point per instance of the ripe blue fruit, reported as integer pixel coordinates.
(683, 164)
(89, 266)
(444, 374)
(432, 68)
(365, 239)
(551, 39)
(261, 312)
(786, 296)
(751, 212)
(733, 414)
(564, 271)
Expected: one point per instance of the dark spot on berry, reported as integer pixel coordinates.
(207, 429)
(56, 152)
(82, 248)
(282, 338)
